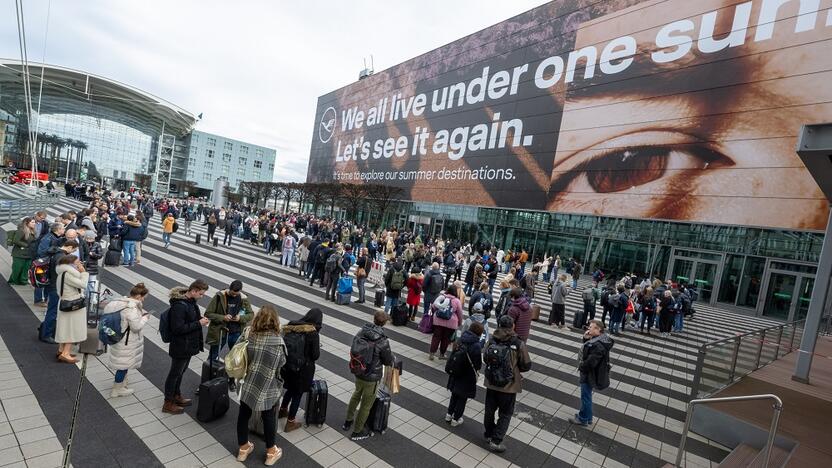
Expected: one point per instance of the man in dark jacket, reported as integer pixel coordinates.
(185, 340)
(594, 366)
(46, 331)
(319, 256)
(366, 383)
(432, 285)
(49, 242)
(131, 232)
(392, 294)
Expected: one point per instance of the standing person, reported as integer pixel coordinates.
(94, 254)
(24, 245)
(432, 286)
(618, 301)
(185, 340)
(414, 292)
(47, 327)
(394, 282)
(362, 269)
(303, 257)
(303, 348)
(131, 232)
(648, 310)
(128, 353)
(189, 218)
(167, 228)
(482, 297)
(260, 391)
(211, 221)
(288, 252)
(594, 367)
(589, 296)
(666, 313)
(520, 312)
(462, 381)
(447, 318)
(372, 351)
(577, 269)
(505, 356)
(71, 327)
(48, 245)
(229, 230)
(229, 312)
(559, 293)
(145, 223)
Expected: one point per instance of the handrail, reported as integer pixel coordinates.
(12, 210)
(772, 432)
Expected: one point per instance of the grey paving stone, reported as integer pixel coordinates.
(149, 429)
(188, 430)
(188, 461)
(211, 453)
(10, 455)
(177, 420)
(140, 419)
(227, 462)
(171, 452)
(31, 422)
(8, 441)
(199, 441)
(157, 441)
(5, 428)
(327, 456)
(49, 460)
(130, 410)
(15, 392)
(13, 383)
(21, 407)
(40, 447)
(33, 435)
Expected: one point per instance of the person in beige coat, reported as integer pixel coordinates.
(71, 327)
(128, 353)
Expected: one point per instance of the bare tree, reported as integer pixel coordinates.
(277, 191)
(332, 191)
(353, 195)
(292, 191)
(316, 195)
(381, 197)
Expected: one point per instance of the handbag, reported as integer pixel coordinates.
(72, 305)
(236, 361)
(392, 379)
(426, 324)
(360, 273)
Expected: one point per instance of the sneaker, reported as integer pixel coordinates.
(448, 417)
(457, 422)
(365, 434)
(243, 453)
(347, 425)
(577, 422)
(496, 447)
(442, 357)
(430, 356)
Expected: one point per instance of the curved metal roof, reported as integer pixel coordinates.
(69, 91)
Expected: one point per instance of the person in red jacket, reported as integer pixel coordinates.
(520, 311)
(414, 292)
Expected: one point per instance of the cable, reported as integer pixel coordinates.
(40, 91)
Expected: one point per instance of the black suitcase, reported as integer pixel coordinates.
(114, 245)
(380, 412)
(211, 370)
(198, 238)
(213, 394)
(578, 319)
(379, 299)
(112, 258)
(215, 242)
(316, 400)
(399, 315)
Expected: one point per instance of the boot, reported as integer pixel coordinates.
(179, 401)
(172, 408)
(291, 426)
(120, 389)
(282, 413)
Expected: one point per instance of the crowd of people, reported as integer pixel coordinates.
(450, 290)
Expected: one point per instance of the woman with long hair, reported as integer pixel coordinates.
(71, 327)
(24, 245)
(260, 391)
(128, 353)
(300, 368)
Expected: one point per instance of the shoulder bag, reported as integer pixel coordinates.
(73, 305)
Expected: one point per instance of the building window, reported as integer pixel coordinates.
(228, 146)
(241, 172)
(271, 167)
(191, 161)
(190, 173)
(212, 142)
(206, 176)
(259, 153)
(194, 138)
(226, 157)
(224, 178)
(194, 149)
(209, 153)
(258, 164)
(243, 149)
(209, 165)
(242, 161)
(256, 175)
(225, 168)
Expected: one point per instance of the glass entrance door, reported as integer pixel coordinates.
(804, 296)
(704, 274)
(698, 270)
(682, 271)
(787, 295)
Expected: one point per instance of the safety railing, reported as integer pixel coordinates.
(722, 362)
(772, 431)
(15, 210)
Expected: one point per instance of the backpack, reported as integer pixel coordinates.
(443, 308)
(361, 355)
(295, 351)
(397, 280)
(497, 362)
(236, 361)
(693, 295)
(436, 283)
(588, 295)
(605, 298)
(109, 328)
(615, 300)
(457, 361)
(175, 226)
(164, 326)
(332, 262)
(39, 272)
(321, 255)
(487, 303)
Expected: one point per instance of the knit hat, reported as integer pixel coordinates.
(477, 307)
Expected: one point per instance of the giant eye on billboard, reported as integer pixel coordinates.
(663, 109)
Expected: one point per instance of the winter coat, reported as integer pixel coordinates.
(520, 360)
(299, 382)
(456, 318)
(132, 231)
(71, 327)
(216, 311)
(94, 253)
(23, 248)
(167, 225)
(469, 273)
(475, 298)
(303, 253)
(520, 311)
(382, 354)
(480, 318)
(185, 329)
(260, 389)
(388, 279)
(465, 382)
(414, 290)
(559, 293)
(426, 284)
(594, 364)
(128, 353)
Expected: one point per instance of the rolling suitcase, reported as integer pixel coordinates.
(215, 242)
(399, 315)
(198, 238)
(212, 369)
(380, 412)
(578, 319)
(343, 299)
(112, 258)
(213, 396)
(535, 312)
(379, 299)
(316, 400)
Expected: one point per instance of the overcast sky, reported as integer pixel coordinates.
(254, 68)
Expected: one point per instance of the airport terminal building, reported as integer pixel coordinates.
(638, 136)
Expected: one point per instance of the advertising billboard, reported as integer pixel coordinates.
(659, 109)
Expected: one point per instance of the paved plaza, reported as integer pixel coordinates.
(638, 419)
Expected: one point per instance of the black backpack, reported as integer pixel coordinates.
(497, 362)
(361, 355)
(436, 283)
(295, 351)
(605, 298)
(321, 258)
(457, 361)
(332, 262)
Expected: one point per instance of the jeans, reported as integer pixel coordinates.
(50, 321)
(429, 298)
(92, 285)
(365, 394)
(288, 257)
(292, 402)
(40, 295)
(269, 425)
(121, 374)
(678, 322)
(456, 407)
(616, 317)
(361, 290)
(226, 239)
(166, 238)
(178, 366)
(229, 339)
(585, 414)
(187, 226)
(504, 404)
(646, 317)
(441, 339)
(491, 282)
(545, 277)
(574, 283)
(332, 285)
(389, 303)
(128, 250)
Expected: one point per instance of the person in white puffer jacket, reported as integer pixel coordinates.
(128, 353)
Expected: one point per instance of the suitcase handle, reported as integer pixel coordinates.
(210, 363)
